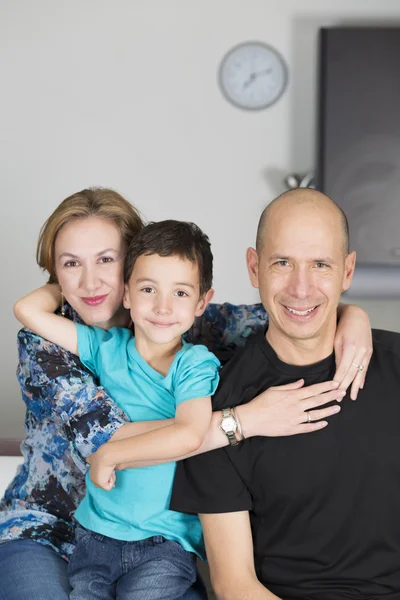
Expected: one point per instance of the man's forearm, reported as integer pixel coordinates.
(253, 590)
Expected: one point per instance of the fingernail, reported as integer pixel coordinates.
(337, 409)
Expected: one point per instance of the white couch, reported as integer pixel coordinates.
(8, 468)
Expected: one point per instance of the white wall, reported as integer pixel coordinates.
(123, 93)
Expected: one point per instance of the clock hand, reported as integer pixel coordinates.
(263, 72)
(250, 80)
(253, 76)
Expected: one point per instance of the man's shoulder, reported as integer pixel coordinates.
(249, 354)
(241, 374)
(386, 341)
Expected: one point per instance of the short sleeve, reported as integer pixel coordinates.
(89, 340)
(196, 375)
(209, 483)
(95, 343)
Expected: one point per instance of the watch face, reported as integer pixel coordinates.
(229, 424)
(253, 75)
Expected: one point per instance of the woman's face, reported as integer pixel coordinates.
(89, 265)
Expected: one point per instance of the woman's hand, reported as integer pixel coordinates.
(353, 348)
(282, 410)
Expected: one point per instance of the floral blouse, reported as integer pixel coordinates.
(69, 416)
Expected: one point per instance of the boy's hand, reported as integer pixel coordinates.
(102, 475)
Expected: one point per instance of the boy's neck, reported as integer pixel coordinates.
(158, 356)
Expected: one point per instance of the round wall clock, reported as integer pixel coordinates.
(253, 75)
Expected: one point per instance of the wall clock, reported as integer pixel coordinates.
(253, 75)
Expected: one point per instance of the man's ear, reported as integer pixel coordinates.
(252, 266)
(349, 266)
(204, 300)
(126, 300)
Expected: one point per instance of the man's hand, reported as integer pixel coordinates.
(101, 474)
(353, 348)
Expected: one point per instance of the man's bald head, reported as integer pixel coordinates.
(301, 196)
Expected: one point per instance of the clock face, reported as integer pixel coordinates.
(253, 75)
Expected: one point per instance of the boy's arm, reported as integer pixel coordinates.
(36, 312)
(229, 546)
(183, 436)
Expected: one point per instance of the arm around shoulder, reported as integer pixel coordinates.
(36, 312)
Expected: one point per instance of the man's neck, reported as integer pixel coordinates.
(300, 352)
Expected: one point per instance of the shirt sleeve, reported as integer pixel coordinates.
(209, 483)
(90, 340)
(196, 375)
(56, 385)
(224, 328)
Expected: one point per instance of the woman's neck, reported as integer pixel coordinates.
(120, 319)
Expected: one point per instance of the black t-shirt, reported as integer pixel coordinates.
(325, 506)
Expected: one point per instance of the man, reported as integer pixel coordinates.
(313, 517)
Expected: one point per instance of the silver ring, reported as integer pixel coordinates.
(308, 417)
(359, 367)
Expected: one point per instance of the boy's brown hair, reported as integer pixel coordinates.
(173, 238)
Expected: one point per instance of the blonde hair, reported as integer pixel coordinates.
(92, 202)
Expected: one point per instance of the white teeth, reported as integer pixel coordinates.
(301, 312)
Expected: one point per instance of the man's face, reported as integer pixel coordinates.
(302, 269)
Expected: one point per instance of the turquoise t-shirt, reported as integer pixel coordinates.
(138, 506)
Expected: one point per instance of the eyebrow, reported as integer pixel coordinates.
(98, 254)
(149, 280)
(326, 259)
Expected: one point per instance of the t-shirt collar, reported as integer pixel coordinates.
(296, 371)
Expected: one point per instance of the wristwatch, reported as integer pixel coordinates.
(229, 426)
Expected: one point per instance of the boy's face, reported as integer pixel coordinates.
(163, 295)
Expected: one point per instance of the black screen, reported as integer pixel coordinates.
(359, 135)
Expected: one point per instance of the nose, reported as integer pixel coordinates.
(162, 305)
(301, 283)
(90, 280)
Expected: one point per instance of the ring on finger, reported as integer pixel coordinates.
(308, 417)
(359, 367)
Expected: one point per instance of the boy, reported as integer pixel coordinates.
(130, 545)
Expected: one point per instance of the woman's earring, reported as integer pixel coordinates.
(62, 305)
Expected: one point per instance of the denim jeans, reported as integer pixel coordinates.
(32, 571)
(103, 568)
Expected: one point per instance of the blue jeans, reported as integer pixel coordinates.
(103, 568)
(31, 571)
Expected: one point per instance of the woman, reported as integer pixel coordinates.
(69, 416)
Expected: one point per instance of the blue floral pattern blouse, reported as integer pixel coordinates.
(69, 416)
